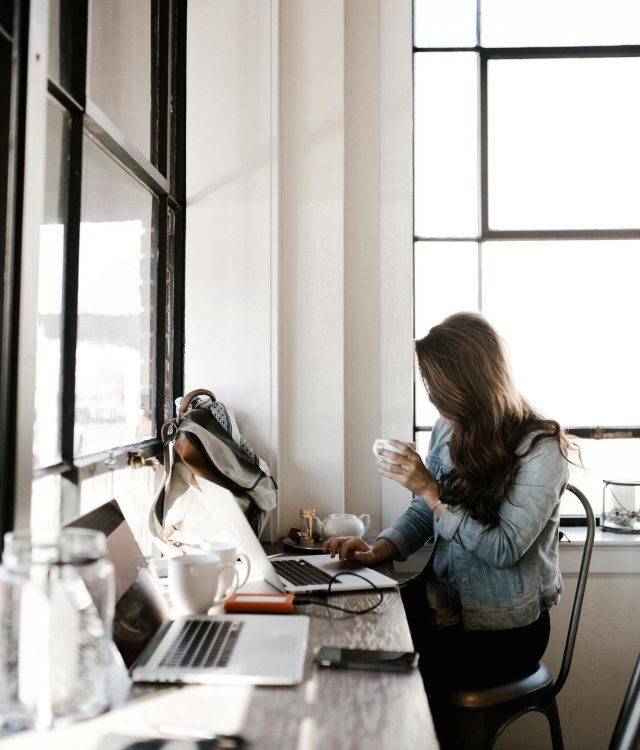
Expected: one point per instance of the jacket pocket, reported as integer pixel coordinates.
(434, 467)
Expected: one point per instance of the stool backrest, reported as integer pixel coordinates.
(580, 589)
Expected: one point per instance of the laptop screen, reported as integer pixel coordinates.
(140, 605)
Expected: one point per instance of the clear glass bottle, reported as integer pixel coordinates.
(306, 526)
(621, 506)
(57, 594)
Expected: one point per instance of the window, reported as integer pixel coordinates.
(107, 299)
(8, 377)
(527, 204)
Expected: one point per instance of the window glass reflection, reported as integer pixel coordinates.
(115, 342)
(5, 118)
(446, 281)
(46, 445)
(61, 41)
(559, 23)
(563, 144)
(132, 488)
(446, 145)
(445, 24)
(119, 80)
(602, 459)
(422, 442)
(6, 16)
(579, 363)
(45, 502)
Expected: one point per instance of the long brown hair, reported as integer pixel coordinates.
(465, 369)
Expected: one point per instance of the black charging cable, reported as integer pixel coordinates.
(334, 578)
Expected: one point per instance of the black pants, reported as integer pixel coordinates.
(453, 657)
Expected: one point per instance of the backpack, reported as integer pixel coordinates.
(204, 440)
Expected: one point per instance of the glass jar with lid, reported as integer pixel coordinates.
(621, 506)
(57, 593)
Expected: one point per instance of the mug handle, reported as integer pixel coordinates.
(247, 564)
(366, 520)
(234, 586)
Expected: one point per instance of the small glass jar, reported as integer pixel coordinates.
(621, 506)
(57, 594)
(306, 526)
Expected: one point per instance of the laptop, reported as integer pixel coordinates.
(301, 574)
(223, 649)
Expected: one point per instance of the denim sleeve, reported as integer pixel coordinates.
(412, 530)
(531, 502)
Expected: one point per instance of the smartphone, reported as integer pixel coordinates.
(379, 661)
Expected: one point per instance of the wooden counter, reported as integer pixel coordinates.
(330, 710)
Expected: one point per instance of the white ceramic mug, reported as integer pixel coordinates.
(229, 556)
(383, 444)
(194, 580)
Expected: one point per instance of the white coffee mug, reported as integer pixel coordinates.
(194, 580)
(228, 554)
(383, 444)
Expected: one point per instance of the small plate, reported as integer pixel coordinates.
(316, 549)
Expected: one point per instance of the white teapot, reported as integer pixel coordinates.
(343, 524)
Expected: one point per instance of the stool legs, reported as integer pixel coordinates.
(479, 729)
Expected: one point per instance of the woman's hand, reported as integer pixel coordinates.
(355, 548)
(410, 472)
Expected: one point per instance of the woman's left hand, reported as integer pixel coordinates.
(410, 471)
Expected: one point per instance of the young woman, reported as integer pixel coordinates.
(488, 494)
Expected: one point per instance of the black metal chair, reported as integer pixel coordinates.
(477, 717)
(626, 735)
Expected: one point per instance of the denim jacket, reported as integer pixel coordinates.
(506, 575)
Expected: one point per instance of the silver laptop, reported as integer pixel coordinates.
(294, 574)
(236, 649)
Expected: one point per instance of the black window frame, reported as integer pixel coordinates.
(485, 234)
(163, 174)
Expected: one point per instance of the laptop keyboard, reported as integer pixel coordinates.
(203, 643)
(300, 572)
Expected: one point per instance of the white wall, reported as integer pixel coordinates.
(299, 237)
(312, 257)
(299, 281)
(230, 210)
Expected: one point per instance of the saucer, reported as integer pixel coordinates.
(315, 550)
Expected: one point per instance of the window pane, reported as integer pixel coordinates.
(563, 143)
(6, 16)
(170, 312)
(446, 281)
(60, 41)
(569, 313)
(119, 78)
(446, 133)
(602, 459)
(46, 445)
(115, 308)
(45, 502)
(422, 442)
(445, 24)
(133, 489)
(5, 120)
(552, 23)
